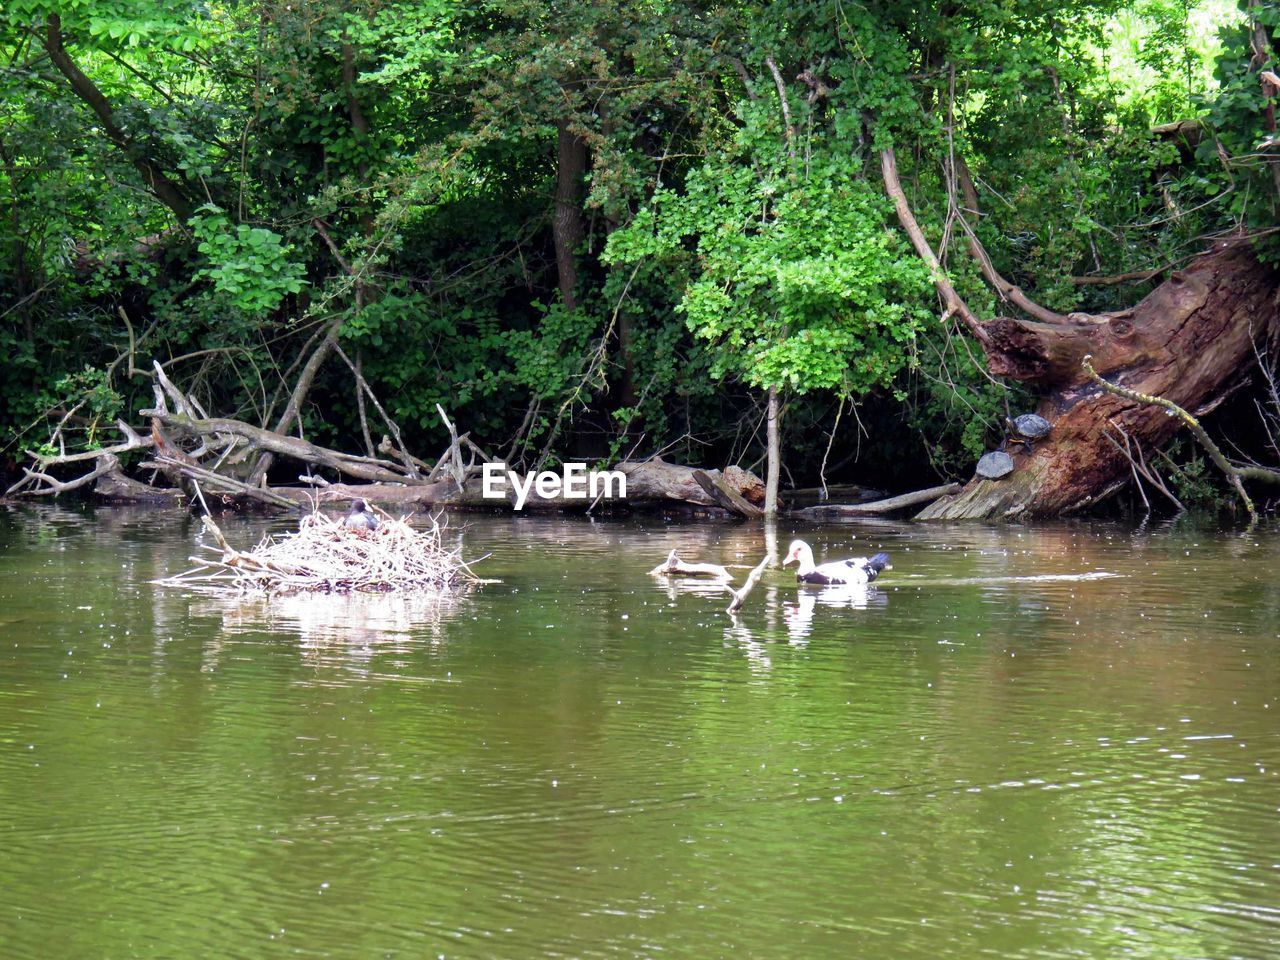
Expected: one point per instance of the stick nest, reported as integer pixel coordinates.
(325, 556)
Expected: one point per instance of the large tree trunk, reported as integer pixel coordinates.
(1190, 341)
(567, 228)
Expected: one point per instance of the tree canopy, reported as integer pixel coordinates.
(591, 228)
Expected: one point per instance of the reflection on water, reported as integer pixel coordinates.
(351, 617)
(799, 614)
(1056, 741)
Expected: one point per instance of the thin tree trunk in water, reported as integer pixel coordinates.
(1191, 341)
(774, 456)
(567, 228)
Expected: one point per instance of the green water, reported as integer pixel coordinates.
(584, 762)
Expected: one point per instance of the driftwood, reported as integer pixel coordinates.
(718, 489)
(107, 463)
(115, 487)
(740, 596)
(674, 566)
(190, 471)
(360, 468)
(189, 445)
(655, 480)
(876, 507)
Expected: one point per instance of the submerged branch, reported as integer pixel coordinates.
(740, 596)
(677, 567)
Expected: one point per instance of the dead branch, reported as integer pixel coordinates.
(42, 463)
(954, 304)
(740, 596)
(1234, 474)
(887, 505)
(741, 70)
(182, 468)
(183, 403)
(1132, 451)
(360, 404)
(107, 463)
(268, 441)
(674, 566)
(1133, 276)
(1003, 287)
(723, 494)
(455, 451)
(787, 125)
(411, 465)
(291, 410)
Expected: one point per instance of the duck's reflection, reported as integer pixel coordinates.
(800, 613)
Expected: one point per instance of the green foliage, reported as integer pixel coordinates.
(91, 389)
(1195, 480)
(719, 252)
(799, 280)
(251, 265)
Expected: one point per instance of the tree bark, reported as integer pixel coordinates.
(722, 493)
(567, 228)
(166, 190)
(1190, 341)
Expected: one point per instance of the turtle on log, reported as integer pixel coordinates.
(1027, 428)
(995, 465)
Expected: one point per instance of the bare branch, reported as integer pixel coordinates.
(786, 107)
(954, 304)
(1234, 474)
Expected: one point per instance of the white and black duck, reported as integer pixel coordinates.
(855, 570)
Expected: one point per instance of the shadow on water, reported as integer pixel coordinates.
(1029, 741)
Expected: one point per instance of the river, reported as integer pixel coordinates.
(1051, 741)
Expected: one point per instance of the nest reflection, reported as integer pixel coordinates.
(352, 619)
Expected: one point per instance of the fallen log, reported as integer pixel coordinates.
(1190, 341)
(657, 480)
(876, 507)
(115, 487)
(719, 490)
(189, 445)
